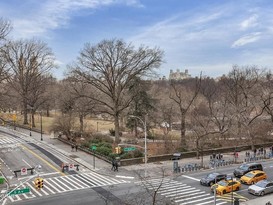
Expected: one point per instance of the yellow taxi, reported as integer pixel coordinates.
(253, 177)
(226, 186)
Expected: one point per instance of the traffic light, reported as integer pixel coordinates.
(39, 183)
(117, 150)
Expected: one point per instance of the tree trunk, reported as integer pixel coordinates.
(81, 123)
(25, 114)
(197, 148)
(183, 131)
(116, 129)
(47, 112)
(32, 119)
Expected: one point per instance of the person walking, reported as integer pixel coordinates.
(76, 147)
(116, 166)
(113, 164)
(72, 147)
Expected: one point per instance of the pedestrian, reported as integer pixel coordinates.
(116, 166)
(76, 147)
(113, 164)
(72, 148)
(213, 155)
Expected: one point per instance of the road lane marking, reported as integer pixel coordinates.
(62, 183)
(126, 177)
(57, 184)
(31, 187)
(192, 194)
(173, 190)
(73, 183)
(197, 200)
(195, 179)
(27, 163)
(42, 159)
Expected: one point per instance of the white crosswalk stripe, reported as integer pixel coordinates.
(67, 183)
(180, 193)
(9, 140)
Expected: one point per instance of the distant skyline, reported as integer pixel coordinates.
(207, 36)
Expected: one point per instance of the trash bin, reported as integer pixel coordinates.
(175, 165)
(2, 180)
(176, 168)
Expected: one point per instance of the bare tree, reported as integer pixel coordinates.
(82, 105)
(5, 28)
(110, 66)
(29, 62)
(183, 93)
(243, 88)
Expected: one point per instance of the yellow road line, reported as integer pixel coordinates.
(42, 159)
(228, 196)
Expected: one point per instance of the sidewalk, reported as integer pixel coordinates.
(155, 169)
(259, 201)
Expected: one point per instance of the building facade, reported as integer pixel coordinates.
(179, 75)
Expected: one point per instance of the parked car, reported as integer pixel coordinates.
(176, 156)
(245, 168)
(261, 188)
(212, 178)
(253, 177)
(226, 186)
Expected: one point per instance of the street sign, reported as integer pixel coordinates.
(23, 171)
(71, 167)
(94, 147)
(128, 149)
(19, 191)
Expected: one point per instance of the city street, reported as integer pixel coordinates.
(101, 184)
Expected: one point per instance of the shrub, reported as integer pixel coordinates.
(104, 144)
(133, 154)
(113, 155)
(104, 151)
(96, 138)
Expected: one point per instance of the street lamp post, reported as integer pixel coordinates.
(41, 126)
(145, 141)
(215, 183)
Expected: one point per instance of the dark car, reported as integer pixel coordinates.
(176, 156)
(245, 168)
(212, 178)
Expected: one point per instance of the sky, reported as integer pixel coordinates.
(208, 36)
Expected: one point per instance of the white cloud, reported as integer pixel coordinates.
(250, 22)
(250, 38)
(53, 14)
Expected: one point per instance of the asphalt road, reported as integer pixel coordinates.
(114, 195)
(85, 187)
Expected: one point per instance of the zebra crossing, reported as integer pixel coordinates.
(60, 184)
(181, 193)
(8, 144)
(9, 140)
